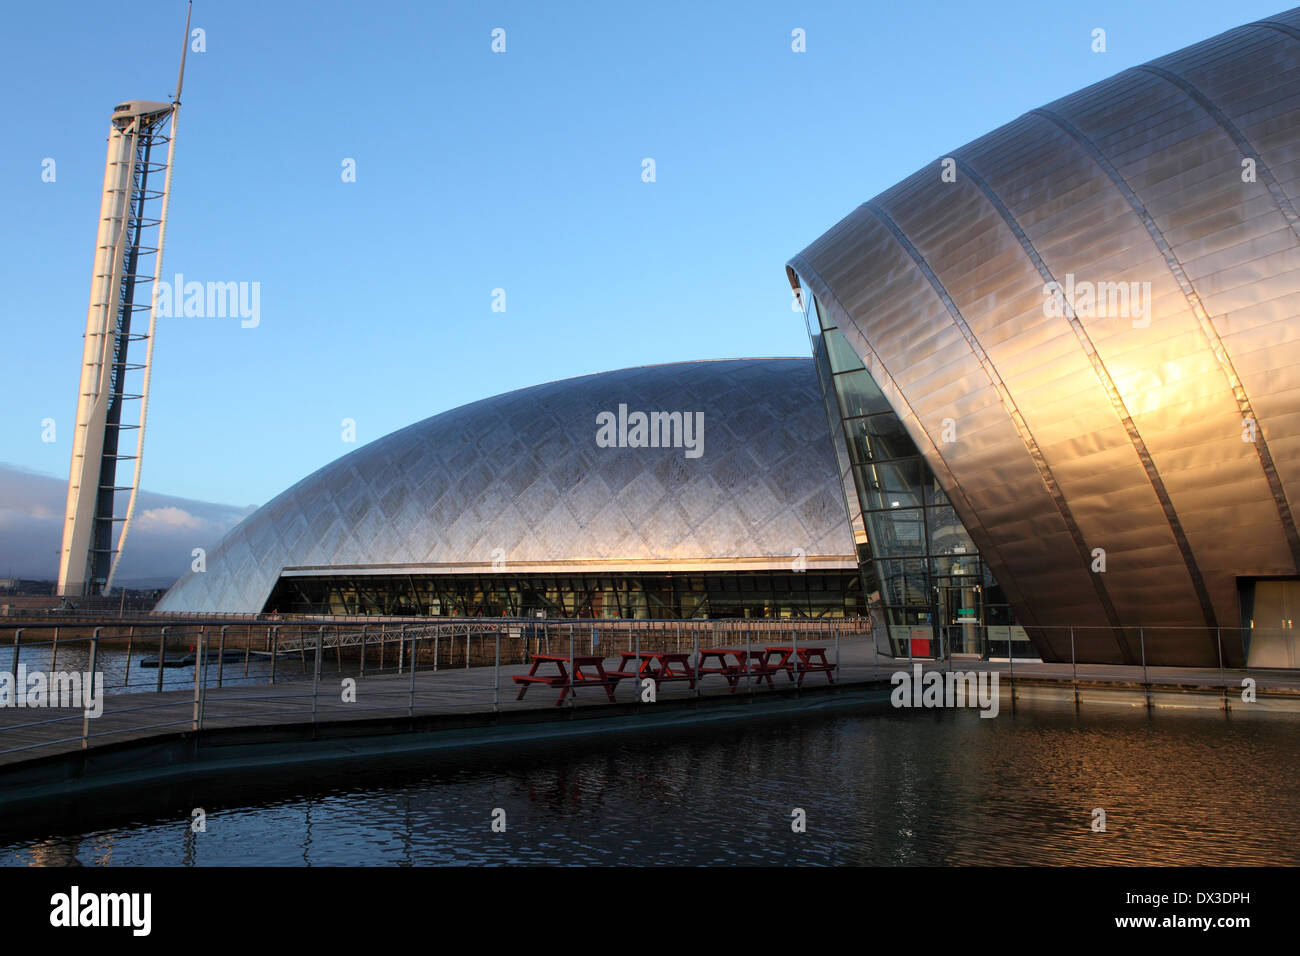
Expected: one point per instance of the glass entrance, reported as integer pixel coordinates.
(961, 616)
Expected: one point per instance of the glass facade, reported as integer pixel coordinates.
(650, 595)
(920, 569)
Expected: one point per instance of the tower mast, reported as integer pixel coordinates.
(131, 209)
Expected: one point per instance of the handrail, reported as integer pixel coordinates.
(363, 648)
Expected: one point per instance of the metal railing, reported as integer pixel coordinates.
(159, 677)
(203, 676)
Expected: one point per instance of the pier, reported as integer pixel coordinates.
(272, 693)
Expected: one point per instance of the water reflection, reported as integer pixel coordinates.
(921, 788)
(125, 672)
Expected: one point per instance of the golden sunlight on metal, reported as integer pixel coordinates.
(1102, 301)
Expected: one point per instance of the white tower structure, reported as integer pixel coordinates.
(127, 269)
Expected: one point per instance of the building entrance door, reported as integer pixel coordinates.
(1271, 609)
(961, 615)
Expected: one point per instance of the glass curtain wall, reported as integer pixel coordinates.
(727, 594)
(936, 594)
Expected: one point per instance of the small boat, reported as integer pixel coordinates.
(188, 660)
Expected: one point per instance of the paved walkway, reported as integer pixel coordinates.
(29, 733)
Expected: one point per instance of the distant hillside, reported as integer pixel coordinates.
(163, 535)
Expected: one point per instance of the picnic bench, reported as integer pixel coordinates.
(658, 666)
(743, 663)
(731, 663)
(588, 671)
(809, 660)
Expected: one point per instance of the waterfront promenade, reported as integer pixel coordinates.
(336, 703)
(26, 734)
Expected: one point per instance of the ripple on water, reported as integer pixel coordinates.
(928, 788)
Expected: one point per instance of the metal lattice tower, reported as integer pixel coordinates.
(127, 268)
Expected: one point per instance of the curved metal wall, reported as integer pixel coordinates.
(519, 479)
(1084, 430)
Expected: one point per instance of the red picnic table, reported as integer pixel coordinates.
(745, 662)
(583, 676)
(659, 666)
(810, 659)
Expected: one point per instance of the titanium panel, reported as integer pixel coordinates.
(518, 480)
(1155, 413)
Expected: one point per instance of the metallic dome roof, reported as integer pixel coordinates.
(1167, 441)
(519, 478)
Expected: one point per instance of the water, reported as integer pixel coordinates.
(124, 673)
(916, 788)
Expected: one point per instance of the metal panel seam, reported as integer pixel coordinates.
(1238, 137)
(1017, 419)
(1108, 383)
(1244, 406)
(1290, 31)
(824, 293)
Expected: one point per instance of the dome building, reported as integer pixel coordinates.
(1066, 367)
(722, 501)
(1053, 411)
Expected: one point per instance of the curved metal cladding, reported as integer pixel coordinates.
(1167, 431)
(520, 478)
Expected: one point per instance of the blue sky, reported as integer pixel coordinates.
(477, 171)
